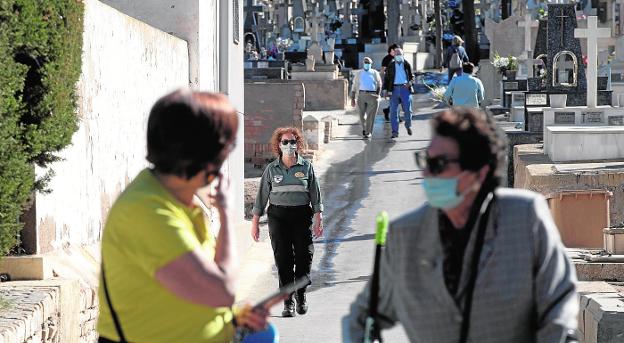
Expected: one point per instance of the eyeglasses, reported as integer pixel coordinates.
(435, 165)
(289, 141)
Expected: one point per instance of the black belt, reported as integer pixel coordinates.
(402, 84)
(369, 91)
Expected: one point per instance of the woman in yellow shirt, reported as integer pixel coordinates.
(165, 278)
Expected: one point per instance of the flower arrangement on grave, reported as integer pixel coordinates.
(542, 13)
(437, 93)
(283, 44)
(503, 64)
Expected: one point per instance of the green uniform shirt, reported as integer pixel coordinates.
(281, 186)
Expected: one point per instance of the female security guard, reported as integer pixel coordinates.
(292, 190)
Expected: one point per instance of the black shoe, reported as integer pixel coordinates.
(364, 133)
(289, 309)
(302, 304)
(409, 131)
(400, 119)
(395, 135)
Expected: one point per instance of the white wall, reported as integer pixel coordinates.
(231, 82)
(191, 20)
(127, 66)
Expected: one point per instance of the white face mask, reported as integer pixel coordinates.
(289, 149)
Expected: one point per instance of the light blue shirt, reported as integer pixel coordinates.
(465, 90)
(400, 77)
(367, 80)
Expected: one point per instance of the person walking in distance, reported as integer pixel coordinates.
(366, 88)
(465, 89)
(398, 81)
(455, 57)
(385, 62)
(291, 188)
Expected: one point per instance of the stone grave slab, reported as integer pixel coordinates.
(534, 120)
(603, 317)
(599, 116)
(584, 143)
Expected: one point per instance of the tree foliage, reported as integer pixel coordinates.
(40, 59)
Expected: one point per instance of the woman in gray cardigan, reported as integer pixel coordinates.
(478, 262)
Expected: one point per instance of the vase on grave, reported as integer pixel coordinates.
(511, 74)
(310, 62)
(329, 57)
(558, 100)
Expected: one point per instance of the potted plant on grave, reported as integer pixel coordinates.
(437, 93)
(507, 66)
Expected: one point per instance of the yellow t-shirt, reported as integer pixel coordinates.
(146, 229)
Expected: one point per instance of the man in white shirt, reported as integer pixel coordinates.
(366, 88)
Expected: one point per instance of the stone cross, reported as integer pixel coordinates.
(528, 24)
(592, 33)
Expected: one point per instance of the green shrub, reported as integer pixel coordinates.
(40, 57)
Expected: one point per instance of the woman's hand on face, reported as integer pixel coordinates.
(217, 193)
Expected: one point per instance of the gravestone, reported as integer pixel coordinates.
(564, 118)
(541, 41)
(506, 37)
(561, 24)
(592, 117)
(528, 24)
(617, 120)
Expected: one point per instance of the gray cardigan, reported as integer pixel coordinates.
(525, 290)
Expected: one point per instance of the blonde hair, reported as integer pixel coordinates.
(457, 40)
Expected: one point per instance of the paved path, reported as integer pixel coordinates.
(358, 178)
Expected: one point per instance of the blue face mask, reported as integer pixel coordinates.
(398, 58)
(367, 66)
(442, 192)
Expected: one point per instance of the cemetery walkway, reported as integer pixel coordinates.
(359, 178)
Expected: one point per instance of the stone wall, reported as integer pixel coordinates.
(267, 107)
(50, 311)
(116, 91)
(323, 95)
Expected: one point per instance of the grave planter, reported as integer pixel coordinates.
(558, 100)
(511, 74)
(614, 240)
(329, 57)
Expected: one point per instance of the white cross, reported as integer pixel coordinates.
(592, 33)
(528, 24)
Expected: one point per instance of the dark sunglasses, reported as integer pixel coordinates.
(435, 165)
(289, 141)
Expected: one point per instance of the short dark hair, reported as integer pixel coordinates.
(479, 139)
(186, 130)
(468, 67)
(392, 47)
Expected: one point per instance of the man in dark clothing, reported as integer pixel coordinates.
(398, 81)
(384, 64)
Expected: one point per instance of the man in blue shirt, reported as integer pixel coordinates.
(398, 81)
(465, 90)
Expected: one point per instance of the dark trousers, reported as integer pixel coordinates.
(291, 239)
